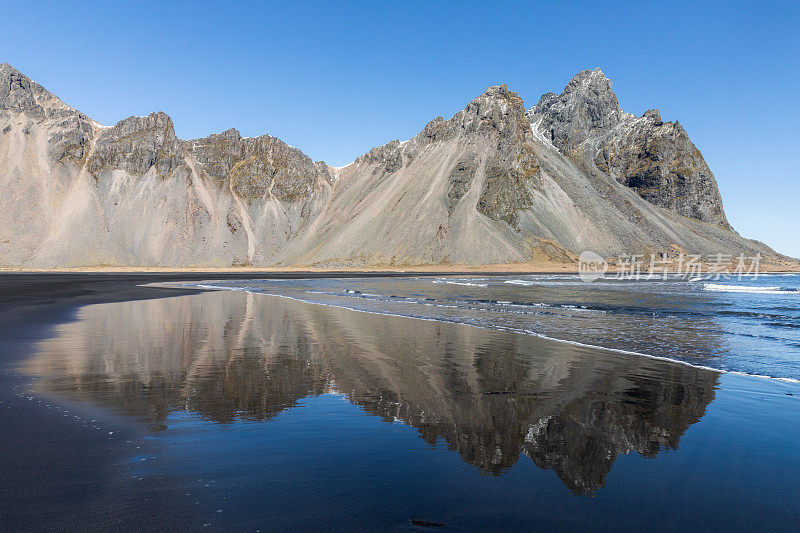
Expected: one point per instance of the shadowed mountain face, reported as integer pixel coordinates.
(654, 158)
(491, 396)
(493, 184)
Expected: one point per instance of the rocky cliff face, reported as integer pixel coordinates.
(138, 144)
(27, 103)
(259, 166)
(654, 158)
(493, 184)
(586, 108)
(659, 162)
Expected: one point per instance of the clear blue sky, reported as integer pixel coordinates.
(336, 79)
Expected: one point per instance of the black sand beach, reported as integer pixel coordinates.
(175, 408)
(48, 464)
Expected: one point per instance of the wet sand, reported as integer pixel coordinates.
(175, 408)
(56, 475)
(539, 267)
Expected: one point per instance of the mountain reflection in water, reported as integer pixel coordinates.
(489, 395)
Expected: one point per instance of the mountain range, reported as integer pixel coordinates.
(495, 184)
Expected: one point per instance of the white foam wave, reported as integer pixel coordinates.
(467, 283)
(716, 287)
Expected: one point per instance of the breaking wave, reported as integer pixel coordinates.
(466, 283)
(716, 287)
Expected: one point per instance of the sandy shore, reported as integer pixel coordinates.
(85, 286)
(78, 455)
(436, 269)
(497, 269)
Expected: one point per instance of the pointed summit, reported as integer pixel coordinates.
(591, 88)
(19, 93)
(7, 68)
(496, 109)
(498, 94)
(586, 105)
(590, 77)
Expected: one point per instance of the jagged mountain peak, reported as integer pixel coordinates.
(496, 96)
(158, 120)
(653, 114)
(7, 68)
(545, 101)
(587, 86)
(496, 110)
(499, 91)
(231, 134)
(589, 77)
(654, 158)
(585, 106)
(136, 144)
(19, 93)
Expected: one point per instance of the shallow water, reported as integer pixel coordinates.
(749, 325)
(271, 413)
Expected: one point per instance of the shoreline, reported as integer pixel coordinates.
(33, 303)
(34, 288)
(34, 306)
(670, 360)
(497, 269)
(42, 300)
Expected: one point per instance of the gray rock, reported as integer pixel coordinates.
(18, 92)
(69, 138)
(138, 144)
(659, 162)
(655, 159)
(459, 181)
(69, 130)
(587, 106)
(654, 115)
(258, 166)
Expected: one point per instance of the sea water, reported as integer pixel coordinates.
(747, 324)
